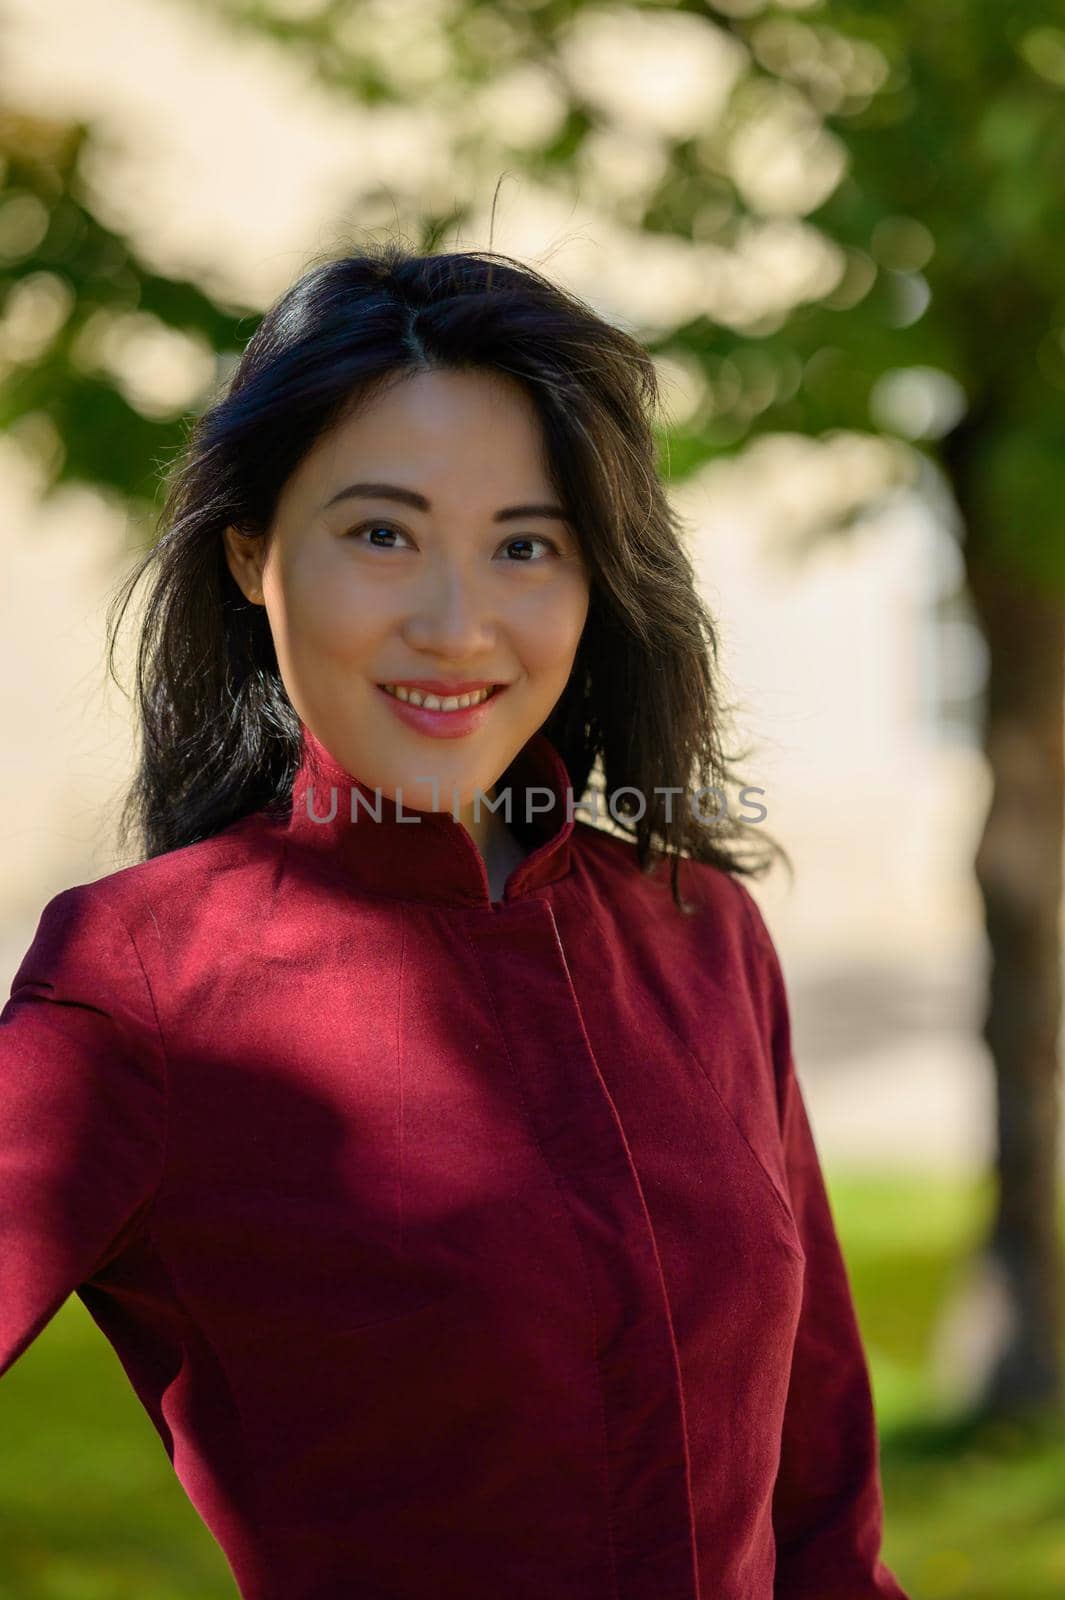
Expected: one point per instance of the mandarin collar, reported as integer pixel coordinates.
(426, 855)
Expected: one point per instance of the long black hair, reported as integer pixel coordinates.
(641, 710)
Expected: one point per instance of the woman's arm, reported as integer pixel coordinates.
(82, 1110)
(828, 1502)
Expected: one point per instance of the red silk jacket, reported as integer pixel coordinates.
(456, 1249)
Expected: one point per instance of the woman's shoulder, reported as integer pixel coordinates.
(721, 923)
(719, 949)
(141, 893)
(135, 940)
(704, 884)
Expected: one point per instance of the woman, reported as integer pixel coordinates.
(431, 1155)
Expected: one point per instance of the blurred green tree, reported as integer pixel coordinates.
(951, 214)
(73, 293)
(907, 162)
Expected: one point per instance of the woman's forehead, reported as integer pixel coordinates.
(436, 440)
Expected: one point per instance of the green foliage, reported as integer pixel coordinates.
(67, 283)
(946, 220)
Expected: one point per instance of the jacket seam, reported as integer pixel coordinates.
(756, 928)
(607, 1489)
(150, 1203)
(251, 1476)
(782, 1204)
(400, 1131)
(668, 1306)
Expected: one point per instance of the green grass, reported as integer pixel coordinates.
(90, 1508)
(971, 1512)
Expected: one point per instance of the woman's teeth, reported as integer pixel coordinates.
(433, 702)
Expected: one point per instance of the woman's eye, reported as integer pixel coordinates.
(375, 527)
(525, 541)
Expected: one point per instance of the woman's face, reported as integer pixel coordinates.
(480, 581)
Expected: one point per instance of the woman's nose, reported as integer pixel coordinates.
(449, 614)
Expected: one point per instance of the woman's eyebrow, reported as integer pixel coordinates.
(410, 497)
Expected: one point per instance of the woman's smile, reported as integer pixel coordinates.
(447, 719)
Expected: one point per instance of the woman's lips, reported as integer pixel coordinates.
(441, 724)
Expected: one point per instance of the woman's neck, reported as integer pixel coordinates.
(500, 849)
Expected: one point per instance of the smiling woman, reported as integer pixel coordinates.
(441, 1179)
(482, 586)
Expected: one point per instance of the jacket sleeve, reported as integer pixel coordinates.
(82, 1110)
(828, 1500)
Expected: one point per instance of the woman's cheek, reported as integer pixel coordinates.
(339, 620)
(560, 622)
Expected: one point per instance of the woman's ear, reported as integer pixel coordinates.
(244, 556)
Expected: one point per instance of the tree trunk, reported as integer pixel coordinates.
(1019, 871)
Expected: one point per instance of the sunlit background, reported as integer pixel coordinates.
(809, 212)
